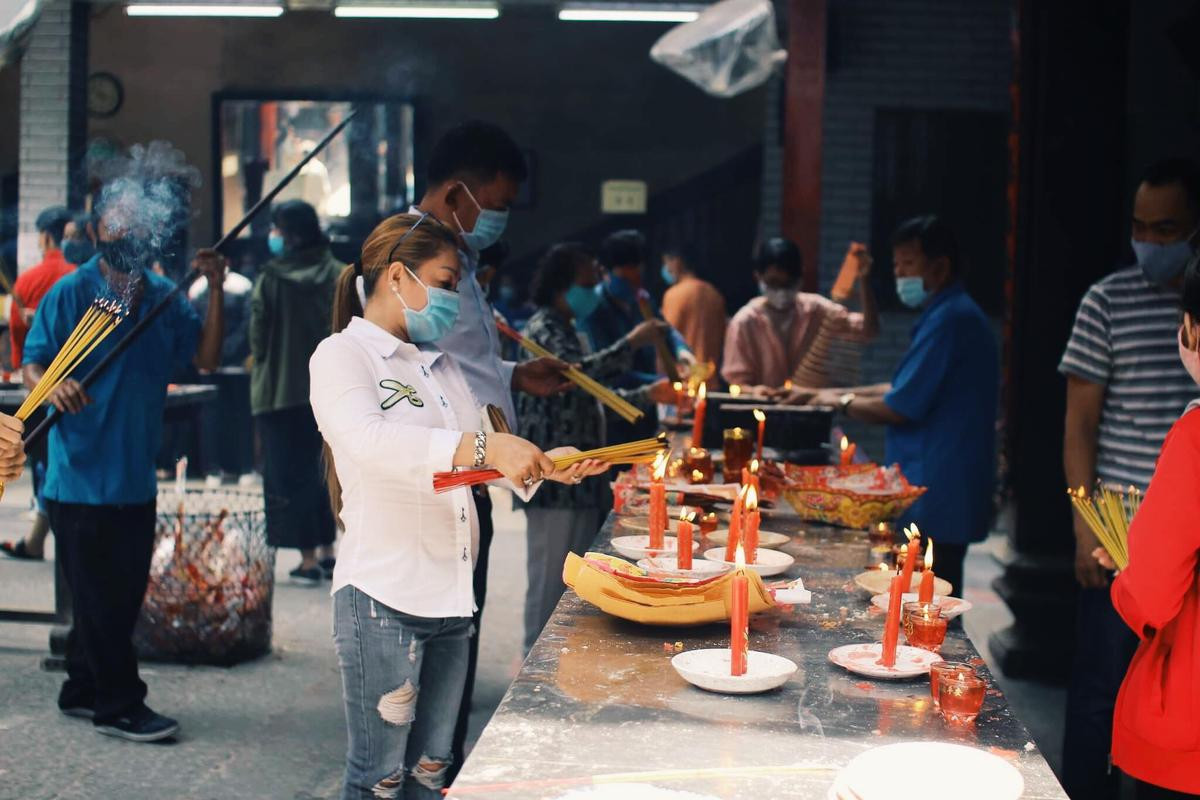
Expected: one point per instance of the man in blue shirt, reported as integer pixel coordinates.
(940, 408)
(100, 484)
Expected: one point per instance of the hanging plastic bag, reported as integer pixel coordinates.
(730, 48)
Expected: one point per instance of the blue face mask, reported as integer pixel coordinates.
(434, 320)
(911, 291)
(621, 288)
(667, 277)
(275, 244)
(1162, 263)
(489, 225)
(582, 302)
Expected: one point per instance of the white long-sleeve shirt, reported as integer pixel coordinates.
(393, 414)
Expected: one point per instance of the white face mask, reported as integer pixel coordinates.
(778, 299)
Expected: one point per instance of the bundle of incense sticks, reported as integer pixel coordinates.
(1108, 512)
(639, 452)
(627, 411)
(101, 319)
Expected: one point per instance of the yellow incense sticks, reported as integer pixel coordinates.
(101, 319)
(637, 452)
(1108, 513)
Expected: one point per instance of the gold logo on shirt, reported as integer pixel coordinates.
(400, 391)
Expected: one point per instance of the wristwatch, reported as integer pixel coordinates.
(844, 402)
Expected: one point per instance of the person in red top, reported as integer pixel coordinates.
(28, 291)
(1156, 726)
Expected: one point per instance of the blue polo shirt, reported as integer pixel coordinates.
(105, 454)
(947, 385)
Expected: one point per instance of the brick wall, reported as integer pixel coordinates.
(53, 77)
(934, 54)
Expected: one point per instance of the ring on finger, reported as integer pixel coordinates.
(528, 481)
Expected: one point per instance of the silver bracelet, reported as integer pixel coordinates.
(480, 448)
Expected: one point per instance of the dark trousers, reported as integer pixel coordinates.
(104, 552)
(483, 507)
(1104, 646)
(948, 565)
(297, 502)
(1148, 791)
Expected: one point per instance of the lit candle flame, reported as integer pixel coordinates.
(929, 555)
(883, 527)
(788, 384)
(912, 532)
(751, 499)
(754, 466)
(685, 515)
(759, 415)
(660, 466)
(904, 552)
(845, 443)
(883, 567)
(739, 558)
(677, 386)
(697, 476)
(702, 392)
(735, 390)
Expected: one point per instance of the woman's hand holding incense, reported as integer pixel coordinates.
(661, 391)
(12, 449)
(518, 460)
(577, 471)
(541, 377)
(69, 397)
(1104, 559)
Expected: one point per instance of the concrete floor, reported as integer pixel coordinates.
(273, 728)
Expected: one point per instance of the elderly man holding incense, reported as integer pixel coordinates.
(100, 484)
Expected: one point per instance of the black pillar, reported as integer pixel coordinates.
(1071, 222)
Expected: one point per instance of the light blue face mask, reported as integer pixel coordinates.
(434, 320)
(1162, 263)
(489, 225)
(275, 244)
(582, 301)
(911, 291)
(667, 277)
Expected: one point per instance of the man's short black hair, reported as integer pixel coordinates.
(685, 252)
(1183, 171)
(476, 150)
(556, 271)
(53, 221)
(626, 248)
(82, 220)
(781, 253)
(933, 235)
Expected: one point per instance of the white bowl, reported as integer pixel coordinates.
(637, 547)
(893, 770)
(770, 562)
(951, 606)
(701, 567)
(709, 669)
(765, 538)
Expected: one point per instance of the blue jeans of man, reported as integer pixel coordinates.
(402, 682)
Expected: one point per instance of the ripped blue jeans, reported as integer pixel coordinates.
(402, 683)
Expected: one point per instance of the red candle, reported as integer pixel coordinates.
(910, 558)
(750, 475)
(926, 593)
(698, 421)
(739, 617)
(683, 535)
(735, 525)
(658, 504)
(762, 427)
(750, 525)
(848, 451)
(891, 630)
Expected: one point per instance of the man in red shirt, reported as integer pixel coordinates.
(28, 291)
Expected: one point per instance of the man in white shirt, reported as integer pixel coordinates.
(475, 172)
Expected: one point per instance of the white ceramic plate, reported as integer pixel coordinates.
(701, 567)
(951, 606)
(638, 547)
(765, 538)
(709, 669)
(863, 659)
(770, 562)
(876, 581)
(886, 772)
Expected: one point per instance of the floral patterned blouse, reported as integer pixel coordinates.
(574, 417)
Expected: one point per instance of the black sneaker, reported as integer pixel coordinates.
(306, 577)
(327, 565)
(143, 725)
(78, 711)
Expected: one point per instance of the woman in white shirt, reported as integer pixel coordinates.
(393, 411)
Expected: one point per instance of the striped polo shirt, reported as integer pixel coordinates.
(1126, 337)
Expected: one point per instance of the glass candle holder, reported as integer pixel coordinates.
(960, 698)
(708, 523)
(946, 668)
(881, 533)
(924, 626)
(739, 449)
(698, 465)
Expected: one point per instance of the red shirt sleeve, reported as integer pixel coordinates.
(1164, 539)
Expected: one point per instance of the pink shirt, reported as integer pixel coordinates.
(758, 352)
